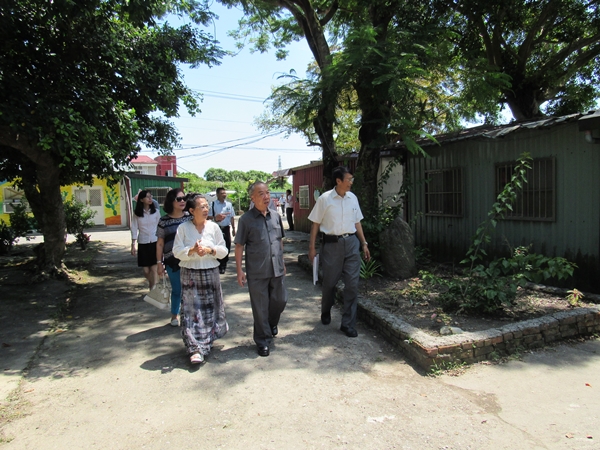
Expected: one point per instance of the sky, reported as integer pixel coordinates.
(233, 96)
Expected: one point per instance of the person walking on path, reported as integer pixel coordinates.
(143, 229)
(167, 228)
(337, 216)
(290, 202)
(222, 212)
(199, 245)
(260, 235)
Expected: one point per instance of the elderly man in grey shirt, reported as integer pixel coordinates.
(260, 233)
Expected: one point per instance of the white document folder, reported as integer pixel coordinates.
(316, 269)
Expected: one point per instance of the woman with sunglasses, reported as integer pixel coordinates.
(166, 230)
(143, 230)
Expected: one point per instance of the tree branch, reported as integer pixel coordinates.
(544, 17)
(582, 60)
(329, 13)
(569, 50)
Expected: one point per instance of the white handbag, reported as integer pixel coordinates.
(160, 295)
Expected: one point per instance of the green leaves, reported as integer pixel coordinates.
(487, 287)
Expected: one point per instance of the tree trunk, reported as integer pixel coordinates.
(374, 101)
(41, 183)
(47, 206)
(524, 102)
(307, 18)
(324, 127)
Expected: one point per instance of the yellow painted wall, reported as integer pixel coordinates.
(110, 199)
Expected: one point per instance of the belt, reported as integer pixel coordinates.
(335, 238)
(226, 226)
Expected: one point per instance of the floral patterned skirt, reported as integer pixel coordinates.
(202, 312)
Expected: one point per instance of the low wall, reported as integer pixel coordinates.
(470, 347)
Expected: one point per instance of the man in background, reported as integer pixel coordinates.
(290, 202)
(222, 212)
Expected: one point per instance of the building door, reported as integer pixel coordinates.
(91, 197)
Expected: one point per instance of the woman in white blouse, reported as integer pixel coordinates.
(143, 229)
(198, 244)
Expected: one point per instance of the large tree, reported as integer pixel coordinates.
(548, 49)
(279, 22)
(82, 86)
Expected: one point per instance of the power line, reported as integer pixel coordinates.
(225, 95)
(260, 136)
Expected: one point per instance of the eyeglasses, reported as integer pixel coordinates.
(180, 199)
(351, 179)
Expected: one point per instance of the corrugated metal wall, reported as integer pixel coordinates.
(139, 183)
(313, 177)
(575, 232)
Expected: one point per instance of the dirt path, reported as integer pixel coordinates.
(118, 378)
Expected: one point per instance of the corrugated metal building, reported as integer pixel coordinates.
(557, 213)
(157, 185)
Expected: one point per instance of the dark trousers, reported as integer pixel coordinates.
(290, 220)
(268, 298)
(341, 259)
(227, 237)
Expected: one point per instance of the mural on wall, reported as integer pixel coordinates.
(107, 211)
(112, 206)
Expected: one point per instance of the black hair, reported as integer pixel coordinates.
(219, 189)
(190, 201)
(139, 206)
(288, 192)
(170, 198)
(338, 173)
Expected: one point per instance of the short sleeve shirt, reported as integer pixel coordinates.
(225, 207)
(167, 229)
(336, 215)
(261, 236)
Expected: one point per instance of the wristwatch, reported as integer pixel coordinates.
(365, 243)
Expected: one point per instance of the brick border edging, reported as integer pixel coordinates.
(474, 346)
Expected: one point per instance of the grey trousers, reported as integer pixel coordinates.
(341, 259)
(268, 298)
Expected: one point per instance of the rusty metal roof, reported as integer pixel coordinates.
(491, 131)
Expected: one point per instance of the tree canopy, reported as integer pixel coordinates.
(82, 86)
(547, 51)
(223, 176)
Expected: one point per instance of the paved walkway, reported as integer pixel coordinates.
(116, 377)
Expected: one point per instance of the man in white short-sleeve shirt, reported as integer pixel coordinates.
(337, 216)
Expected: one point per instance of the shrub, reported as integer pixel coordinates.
(20, 225)
(78, 217)
(7, 238)
(370, 268)
(486, 286)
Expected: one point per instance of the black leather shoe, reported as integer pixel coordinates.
(263, 351)
(350, 332)
(274, 330)
(326, 318)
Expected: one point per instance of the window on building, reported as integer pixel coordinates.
(303, 197)
(159, 193)
(536, 200)
(444, 192)
(12, 197)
